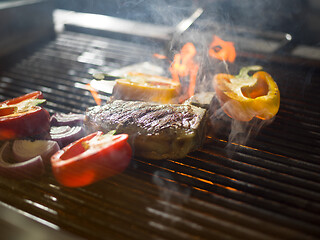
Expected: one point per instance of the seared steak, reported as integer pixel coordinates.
(156, 131)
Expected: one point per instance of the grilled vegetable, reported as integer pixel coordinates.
(32, 168)
(21, 117)
(145, 87)
(66, 128)
(66, 119)
(244, 97)
(26, 149)
(91, 158)
(65, 135)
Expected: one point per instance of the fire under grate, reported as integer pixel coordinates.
(268, 188)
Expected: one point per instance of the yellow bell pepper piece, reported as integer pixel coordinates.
(244, 97)
(146, 87)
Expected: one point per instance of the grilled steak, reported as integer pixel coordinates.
(156, 131)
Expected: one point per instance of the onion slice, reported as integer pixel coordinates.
(65, 135)
(31, 168)
(66, 119)
(26, 149)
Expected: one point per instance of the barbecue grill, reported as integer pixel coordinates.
(266, 188)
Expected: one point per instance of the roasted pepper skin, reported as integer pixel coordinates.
(34, 121)
(245, 97)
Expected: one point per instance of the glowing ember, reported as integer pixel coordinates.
(222, 50)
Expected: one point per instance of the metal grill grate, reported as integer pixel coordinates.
(267, 189)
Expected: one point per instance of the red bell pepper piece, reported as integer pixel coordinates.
(28, 96)
(20, 117)
(91, 158)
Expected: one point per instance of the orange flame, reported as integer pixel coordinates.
(94, 94)
(222, 50)
(183, 65)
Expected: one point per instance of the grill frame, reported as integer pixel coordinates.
(267, 189)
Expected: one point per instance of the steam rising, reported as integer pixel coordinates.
(241, 132)
(237, 132)
(219, 19)
(168, 190)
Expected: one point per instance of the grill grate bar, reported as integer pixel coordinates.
(271, 161)
(236, 194)
(238, 205)
(243, 172)
(287, 151)
(118, 186)
(302, 143)
(305, 134)
(301, 114)
(298, 122)
(110, 215)
(304, 148)
(131, 211)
